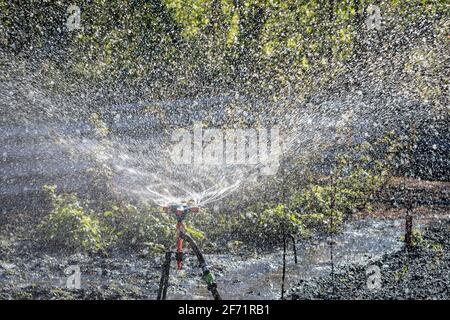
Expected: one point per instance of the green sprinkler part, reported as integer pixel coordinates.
(208, 278)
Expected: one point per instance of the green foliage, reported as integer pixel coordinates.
(131, 227)
(192, 15)
(275, 41)
(195, 233)
(323, 207)
(401, 274)
(70, 225)
(417, 240)
(260, 228)
(436, 247)
(274, 222)
(358, 175)
(214, 227)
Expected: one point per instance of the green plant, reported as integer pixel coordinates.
(436, 247)
(417, 239)
(322, 207)
(70, 225)
(129, 226)
(359, 172)
(401, 274)
(266, 227)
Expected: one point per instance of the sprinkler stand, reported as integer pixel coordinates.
(180, 212)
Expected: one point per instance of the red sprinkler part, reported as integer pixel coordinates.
(180, 211)
(195, 209)
(179, 254)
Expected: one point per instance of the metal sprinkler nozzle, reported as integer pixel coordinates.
(175, 208)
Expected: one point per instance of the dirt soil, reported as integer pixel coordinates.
(29, 271)
(420, 273)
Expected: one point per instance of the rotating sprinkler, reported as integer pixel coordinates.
(181, 211)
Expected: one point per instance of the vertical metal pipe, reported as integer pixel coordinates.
(283, 277)
(164, 282)
(332, 232)
(408, 230)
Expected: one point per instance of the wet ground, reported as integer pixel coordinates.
(259, 276)
(421, 272)
(25, 274)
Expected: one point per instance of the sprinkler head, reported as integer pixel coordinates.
(195, 209)
(171, 208)
(180, 210)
